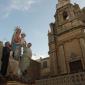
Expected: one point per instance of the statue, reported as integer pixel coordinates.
(16, 43)
(23, 56)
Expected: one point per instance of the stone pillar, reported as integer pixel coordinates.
(82, 44)
(53, 64)
(61, 60)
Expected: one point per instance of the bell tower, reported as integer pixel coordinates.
(67, 39)
(62, 3)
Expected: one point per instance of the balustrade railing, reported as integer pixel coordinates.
(69, 79)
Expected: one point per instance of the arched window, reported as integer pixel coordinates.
(65, 15)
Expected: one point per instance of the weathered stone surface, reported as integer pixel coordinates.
(67, 79)
(67, 47)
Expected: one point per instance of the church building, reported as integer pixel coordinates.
(67, 39)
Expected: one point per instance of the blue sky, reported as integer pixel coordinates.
(33, 16)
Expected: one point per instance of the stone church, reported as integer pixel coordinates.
(67, 39)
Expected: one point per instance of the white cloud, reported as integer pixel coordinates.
(6, 15)
(15, 5)
(21, 5)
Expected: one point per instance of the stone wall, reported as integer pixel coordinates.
(33, 71)
(69, 79)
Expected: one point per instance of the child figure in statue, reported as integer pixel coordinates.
(16, 43)
(23, 35)
(26, 57)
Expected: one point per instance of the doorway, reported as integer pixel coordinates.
(75, 66)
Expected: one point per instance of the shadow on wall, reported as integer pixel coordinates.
(1, 46)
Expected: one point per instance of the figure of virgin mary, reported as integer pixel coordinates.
(16, 43)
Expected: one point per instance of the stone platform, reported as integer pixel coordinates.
(8, 81)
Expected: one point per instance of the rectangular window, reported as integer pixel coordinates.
(45, 64)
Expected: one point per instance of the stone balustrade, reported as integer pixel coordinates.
(69, 79)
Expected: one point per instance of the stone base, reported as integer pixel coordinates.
(12, 80)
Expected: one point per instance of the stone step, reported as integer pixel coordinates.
(11, 83)
(15, 83)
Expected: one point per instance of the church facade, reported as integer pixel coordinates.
(67, 39)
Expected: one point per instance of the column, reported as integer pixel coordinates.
(82, 44)
(62, 60)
